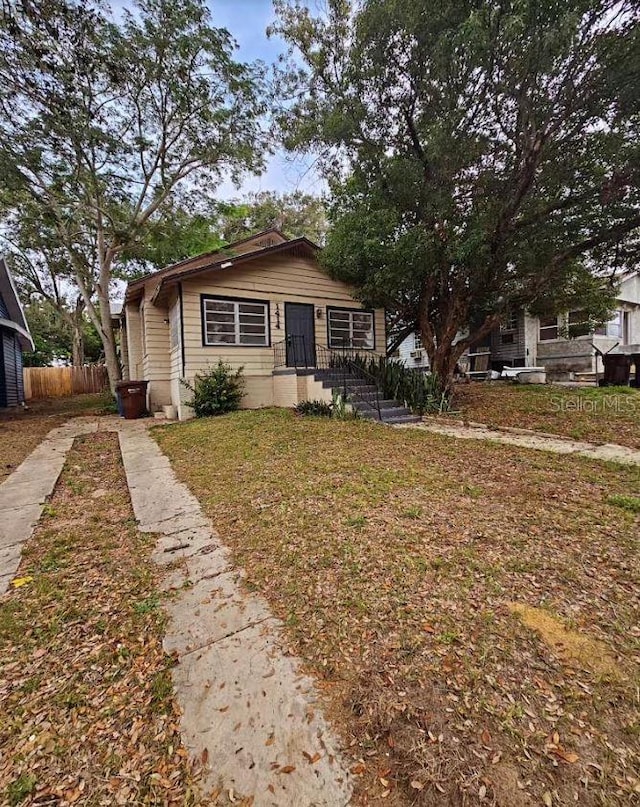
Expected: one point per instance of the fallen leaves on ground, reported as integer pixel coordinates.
(592, 414)
(88, 715)
(392, 557)
(21, 430)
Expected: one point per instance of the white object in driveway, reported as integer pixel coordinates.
(514, 372)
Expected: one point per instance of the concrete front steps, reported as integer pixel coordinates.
(363, 397)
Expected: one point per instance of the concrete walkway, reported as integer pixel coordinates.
(247, 707)
(24, 493)
(608, 452)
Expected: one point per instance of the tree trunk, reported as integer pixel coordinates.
(443, 364)
(77, 344)
(101, 318)
(109, 343)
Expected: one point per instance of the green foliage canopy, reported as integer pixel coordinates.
(483, 154)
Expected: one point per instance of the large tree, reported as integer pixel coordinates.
(40, 264)
(104, 125)
(294, 213)
(483, 154)
(184, 232)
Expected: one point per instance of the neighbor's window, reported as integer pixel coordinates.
(417, 341)
(235, 322)
(548, 328)
(613, 328)
(510, 322)
(350, 328)
(578, 326)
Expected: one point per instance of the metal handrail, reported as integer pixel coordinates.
(326, 358)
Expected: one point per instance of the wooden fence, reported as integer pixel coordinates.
(62, 382)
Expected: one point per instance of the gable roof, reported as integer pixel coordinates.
(17, 321)
(268, 242)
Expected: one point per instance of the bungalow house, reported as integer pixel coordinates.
(262, 303)
(562, 344)
(14, 338)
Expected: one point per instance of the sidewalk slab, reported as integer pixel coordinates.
(556, 445)
(247, 704)
(209, 611)
(243, 697)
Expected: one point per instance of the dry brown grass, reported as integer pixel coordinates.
(21, 430)
(392, 557)
(608, 415)
(88, 716)
(570, 645)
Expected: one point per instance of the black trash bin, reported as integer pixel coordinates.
(617, 370)
(133, 398)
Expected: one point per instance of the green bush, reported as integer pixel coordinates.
(336, 409)
(216, 391)
(317, 408)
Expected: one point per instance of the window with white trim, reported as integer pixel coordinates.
(352, 328)
(417, 341)
(577, 324)
(510, 322)
(548, 328)
(613, 328)
(235, 322)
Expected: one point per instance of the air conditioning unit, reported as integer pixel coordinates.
(416, 354)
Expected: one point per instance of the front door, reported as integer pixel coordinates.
(299, 331)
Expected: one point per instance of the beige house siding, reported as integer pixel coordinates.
(156, 361)
(133, 321)
(170, 342)
(276, 281)
(175, 350)
(124, 351)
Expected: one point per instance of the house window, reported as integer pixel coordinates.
(510, 322)
(548, 328)
(578, 325)
(235, 322)
(417, 341)
(613, 328)
(507, 339)
(350, 328)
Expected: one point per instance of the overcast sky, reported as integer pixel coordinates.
(247, 21)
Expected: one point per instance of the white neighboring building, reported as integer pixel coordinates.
(411, 353)
(526, 341)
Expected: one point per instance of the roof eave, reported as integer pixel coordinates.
(229, 263)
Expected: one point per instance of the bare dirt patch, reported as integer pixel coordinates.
(592, 414)
(88, 715)
(393, 555)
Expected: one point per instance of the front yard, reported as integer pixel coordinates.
(88, 714)
(22, 429)
(470, 609)
(599, 415)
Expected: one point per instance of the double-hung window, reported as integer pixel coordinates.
(613, 328)
(578, 325)
(350, 328)
(235, 322)
(548, 328)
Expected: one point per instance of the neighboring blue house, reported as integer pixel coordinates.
(14, 338)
